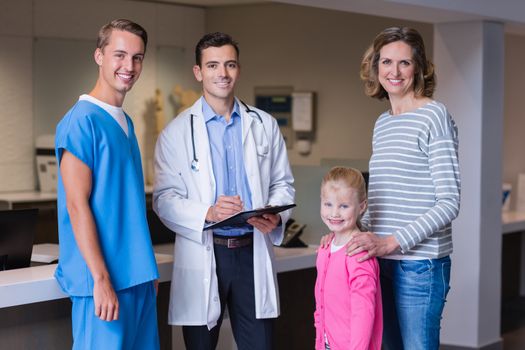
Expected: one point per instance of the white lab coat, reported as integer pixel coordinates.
(182, 197)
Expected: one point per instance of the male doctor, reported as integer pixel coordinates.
(215, 159)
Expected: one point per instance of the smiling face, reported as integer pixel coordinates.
(396, 69)
(340, 207)
(120, 65)
(218, 72)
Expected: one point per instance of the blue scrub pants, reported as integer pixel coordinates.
(136, 328)
(414, 294)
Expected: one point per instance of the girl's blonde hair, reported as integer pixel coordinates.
(351, 177)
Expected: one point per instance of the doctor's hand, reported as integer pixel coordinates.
(105, 300)
(225, 207)
(265, 223)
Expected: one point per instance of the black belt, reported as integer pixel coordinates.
(234, 242)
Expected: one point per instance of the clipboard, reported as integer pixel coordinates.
(240, 218)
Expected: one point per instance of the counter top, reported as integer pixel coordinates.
(37, 196)
(37, 284)
(512, 221)
(286, 259)
(291, 259)
(26, 197)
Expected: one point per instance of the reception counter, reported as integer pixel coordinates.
(514, 222)
(36, 284)
(35, 313)
(11, 200)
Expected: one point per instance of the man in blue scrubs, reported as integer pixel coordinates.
(106, 263)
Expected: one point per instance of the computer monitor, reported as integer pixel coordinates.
(17, 231)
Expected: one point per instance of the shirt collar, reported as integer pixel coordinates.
(209, 114)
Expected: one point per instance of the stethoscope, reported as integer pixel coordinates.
(195, 161)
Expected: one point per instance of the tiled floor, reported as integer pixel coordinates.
(513, 324)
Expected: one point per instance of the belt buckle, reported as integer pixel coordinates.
(232, 243)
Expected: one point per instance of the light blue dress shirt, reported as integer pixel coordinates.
(228, 161)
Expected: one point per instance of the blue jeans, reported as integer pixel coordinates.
(414, 294)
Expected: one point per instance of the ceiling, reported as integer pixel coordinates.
(435, 11)
(206, 3)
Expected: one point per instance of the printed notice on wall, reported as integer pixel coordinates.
(302, 111)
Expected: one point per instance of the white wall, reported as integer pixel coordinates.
(16, 123)
(513, 141)
(21, 21)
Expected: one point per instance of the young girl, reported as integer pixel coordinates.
(347, 293)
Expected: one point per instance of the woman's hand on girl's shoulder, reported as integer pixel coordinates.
(325, 240)
(372, 244)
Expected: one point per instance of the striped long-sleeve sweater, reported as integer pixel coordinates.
(414, 185)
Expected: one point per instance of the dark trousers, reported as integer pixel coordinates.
(236, 290)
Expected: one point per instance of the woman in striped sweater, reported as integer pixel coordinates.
(414, 190)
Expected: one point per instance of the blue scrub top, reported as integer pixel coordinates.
(117, 201)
